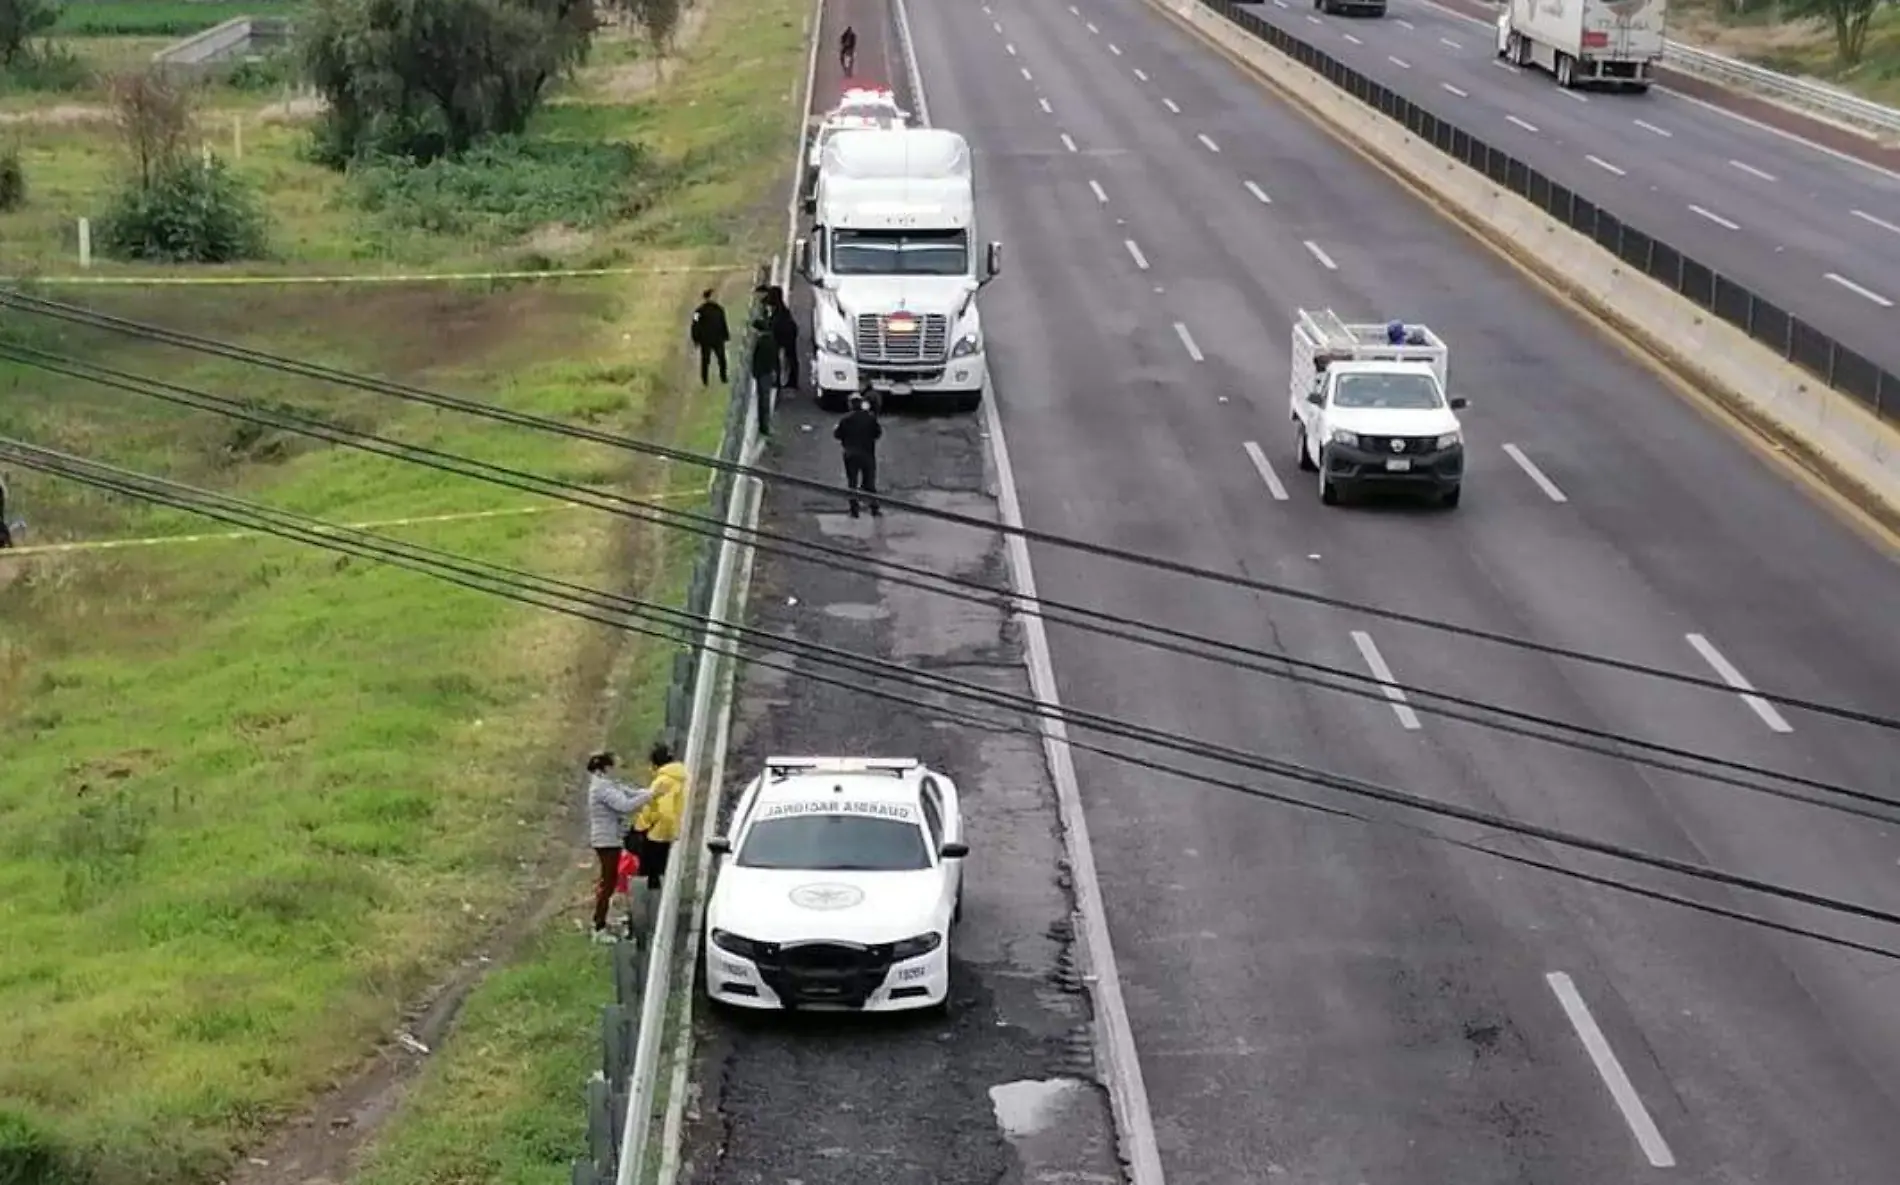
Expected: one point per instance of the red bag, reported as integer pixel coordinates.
(629, 868)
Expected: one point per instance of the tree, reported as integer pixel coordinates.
(20, 22)
(1850, 18)
(156, 117)
(659, 20)
(424, 79)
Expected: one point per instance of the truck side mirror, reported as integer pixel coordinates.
(1316, 396)
(955, 851)
(802, 252)
(719, 845)
(1459, 403)
(992, 262)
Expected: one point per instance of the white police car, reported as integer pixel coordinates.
(841, 881)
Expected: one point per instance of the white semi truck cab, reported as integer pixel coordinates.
(1603, 42)
(894, 268)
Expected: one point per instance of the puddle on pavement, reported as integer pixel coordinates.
(1057, 1127)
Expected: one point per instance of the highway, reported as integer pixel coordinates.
(1808, 229)
(1315, 1000)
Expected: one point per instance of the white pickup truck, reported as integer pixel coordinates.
(1371, 410)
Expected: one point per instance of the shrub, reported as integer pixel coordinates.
(12, 181)
(507, 187)
(188, 213)
(254, 75)
(46, 68)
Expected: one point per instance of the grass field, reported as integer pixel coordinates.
(256, 798)
(161, 18)
(1805, 48)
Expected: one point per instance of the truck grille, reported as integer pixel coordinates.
(1410, 446)
(876, 343)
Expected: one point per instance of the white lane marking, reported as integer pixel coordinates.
(1101, 195)
(1170, 105)
(1279, 3)
(1502, 65)
(1093, 29)
(1454, 90)
(1259, 193)
(1574, 95)
(1450, 42)
(986, 10)
(1882, 223)
(1314, 19)
(1141, 261)
(1401, 63)
(1265, 470)
(1140, 75)
(1712, 217)
(1074, 11)
(1351, 38)
(1791, 137)
(1644, 124)
(1605, 165)
(1537, 475)
(1011, 48)
(1408, 719)
(1027, 76)
(1752, 170)
(997, 25)
(1044, 104)
(1068, 143)
(1403, 24)
(1734, 678)
(1115, 49)
(1611, 1071)
(1203, 138)
(1325, 260)
(1187, 340)
(1529, 127)
(1857, 290)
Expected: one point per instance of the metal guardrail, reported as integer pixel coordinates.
(1803, 93)
(1794, 339)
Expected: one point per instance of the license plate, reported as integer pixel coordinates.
(900, 388)
(1399, 465)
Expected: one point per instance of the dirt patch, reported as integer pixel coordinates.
(63, 114)
(1703, 28)
(557, 240)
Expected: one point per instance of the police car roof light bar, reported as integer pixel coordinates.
(781, 767)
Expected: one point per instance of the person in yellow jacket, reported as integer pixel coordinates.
(658, 822)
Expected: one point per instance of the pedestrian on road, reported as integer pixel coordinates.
(658, 823)
(785, 332)
(859, 431)
(610, 803)
(710, 334)
(764, 369)
(848, 49)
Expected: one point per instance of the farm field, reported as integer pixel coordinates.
(259, 801)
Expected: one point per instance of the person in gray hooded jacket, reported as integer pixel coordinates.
(610, 804)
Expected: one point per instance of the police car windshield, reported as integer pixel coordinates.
(835, 843)
(1414, 392)
(900, 253)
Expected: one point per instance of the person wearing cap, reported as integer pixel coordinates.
(858, 433)
(610, 804)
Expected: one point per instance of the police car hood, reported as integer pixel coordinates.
(780, 905)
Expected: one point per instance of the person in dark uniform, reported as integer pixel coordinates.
(710, 334)
(6, 529)
(764, 369)
(785, 332)
(848, 50)
(858, 432)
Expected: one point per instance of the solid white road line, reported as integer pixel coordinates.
(1454, 90)
(1100, 194)
(1408, 719)
(1027, 76)
(1529, 127)
(1882, 223)
(1712, 217)
(1605, 165)
(1723, 667)
(1265, 470)
(1611, 1071)
(1141, 261)
(1140, 75)
(1203, 138)
(1187, 340)
(1067, 142)
(1857, 290)
(1665, 133)
(1450, 42)
(1170, 105)
(1115, 49)
(1258, 193)
(1537, 475)
(1401, 63)
(1351, 38)
(1325, 260)
(1044, 104)
(1752, 170)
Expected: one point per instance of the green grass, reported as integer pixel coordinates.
(255, 798)
(1803, 48)
(160, 18)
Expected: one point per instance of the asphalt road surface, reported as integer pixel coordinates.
(1317, 1001)
(1812, 231)
(1002, 1090)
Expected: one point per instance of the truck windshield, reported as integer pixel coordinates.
(1409, 391)
(835, 843)
(900, 252)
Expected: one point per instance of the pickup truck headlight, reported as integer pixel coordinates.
(911, 948)
(967, 345)
(838, 343)
(1349, 439)
(1449, 439)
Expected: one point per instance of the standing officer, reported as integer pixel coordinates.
(785, 332)
(710, 334)
(6, 529)
(764, 369)
(859, 433)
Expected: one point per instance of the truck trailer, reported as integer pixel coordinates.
(1614, 43)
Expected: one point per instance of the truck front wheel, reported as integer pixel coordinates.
(1328, 490)
(966, 401)
(1306, 458)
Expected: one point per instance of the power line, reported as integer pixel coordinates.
(1270, 663)
(527, 587)
(77, 314)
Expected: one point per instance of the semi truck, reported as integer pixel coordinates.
(1614, 43)
(894, 266)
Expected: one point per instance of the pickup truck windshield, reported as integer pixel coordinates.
(1408, 391)
(835, 843)
(900, 252)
